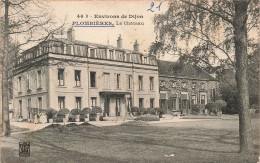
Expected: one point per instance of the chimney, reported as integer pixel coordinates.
(136, 46)
(119, 42)
(71, 34)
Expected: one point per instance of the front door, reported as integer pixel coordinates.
(107, 104)
(118, 107)
(184, 106)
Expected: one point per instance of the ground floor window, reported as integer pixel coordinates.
(93, 102)
(20, 108)
(61, 102)
(202, 99)
(129, 104)
(118, 107)
(78, 102)
(151, 102)
(141, 102)
(173, 102)
(193, 99)
(39, 103)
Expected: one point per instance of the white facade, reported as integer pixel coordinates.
(71, 76)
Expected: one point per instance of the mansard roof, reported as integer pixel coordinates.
(182, 70)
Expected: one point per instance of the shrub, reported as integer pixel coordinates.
(197, 108)
(220, 104)
(86, 111)
(147, 118)
(96, 110)
(134, 109)
(59, 118)
(63, 112)
(72, 118)
(50, 113)
(151, 111)
(142, 109)
(160, 110)
(75, 111)
(214, 107)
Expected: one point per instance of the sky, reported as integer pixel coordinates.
(144, 34)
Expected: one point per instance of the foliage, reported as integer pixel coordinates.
(221, 104)
(96, 110)
(86, 111)
(134, 109)
(151, 111)
(135, 123)
(76, 111)
(142, 109)
(63, 112)
(50, 113)
(147, 117)
(215, 107)
(72, 118)
(160, 110)
(197, 108)
(58, 118)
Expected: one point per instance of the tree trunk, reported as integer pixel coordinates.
(5, 99)
(240, 38)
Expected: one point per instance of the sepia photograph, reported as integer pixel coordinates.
(129, 81)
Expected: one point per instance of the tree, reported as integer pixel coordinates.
(213, 31)
(30, 22)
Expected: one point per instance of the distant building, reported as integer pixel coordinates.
(182, 85)
(66, 73)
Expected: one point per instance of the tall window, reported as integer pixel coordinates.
(68, 49)
(140, 82)
(77, 78)
(19, 84)
(92, 79)
(141, 102)
(202, 99)
(61, 102)
(78, 102)
(39, 103)
(128, 56)
(107, 80)
(20, 107)
(193, 99)
(28, 82)
(61, 77)
(173, 103)
(145, 60)
(29, 103)
(39, 79)
(151, 83)
(129, 104)
(129, 81)
(92, 53)
(118, 81)
(93, 101)
(111, 54)
(151, 102)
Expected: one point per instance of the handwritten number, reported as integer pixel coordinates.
(152, 5)
(159, 7)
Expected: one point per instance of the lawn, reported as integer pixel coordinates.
(213, 140)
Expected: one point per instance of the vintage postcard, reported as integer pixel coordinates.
(129, 81)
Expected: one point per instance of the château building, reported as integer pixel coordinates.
(66, 73)
(184, 84)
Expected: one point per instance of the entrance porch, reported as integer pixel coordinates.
(115, 104)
